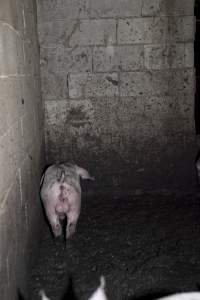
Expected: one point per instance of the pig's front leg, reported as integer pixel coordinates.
(54, 222)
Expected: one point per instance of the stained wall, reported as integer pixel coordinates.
(118, 86)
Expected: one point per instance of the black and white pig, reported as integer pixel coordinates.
(99, 294)
(61, 195)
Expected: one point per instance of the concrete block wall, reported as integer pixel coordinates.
(118, 86)
(21, 144)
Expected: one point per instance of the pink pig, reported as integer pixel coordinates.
(61, 195)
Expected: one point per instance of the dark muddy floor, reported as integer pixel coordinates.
(145, 245)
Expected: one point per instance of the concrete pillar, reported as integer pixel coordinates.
(21, 144)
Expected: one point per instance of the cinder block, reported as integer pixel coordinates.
(55, 112)
(167, 56)
(181, 28)
(55, 123)
(12, 249)
(49, 61)
(144, 83)
(64, 9)
(10, 100)
(175, 110)
(30, 58)
(20, 18)
(37, 88)
(167, 8)
(10, 219)
(29, 22)
(8, 12)
(16, 145)
(156, 30)
(39, 128)
(184, 105)
(189, 55)
(54, 87)
(142, 30)
(178, 106)
(36, 54)
(3, 116)
(11, 154)
(75, 59)
(157, 82)
(175, 125)
(75, 130)
(28, 97)
(90, 85)
(158, 106)
(6, 163)
(111, 113)
(94, 32)
(28, 191)
(8, 51)
(115, 8)
(28, 129)
(79, 111)
(56, 33)
(118, 58)
(20, 56)
(182, 81)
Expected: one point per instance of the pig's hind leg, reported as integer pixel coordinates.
(71, 224)
(54, 222)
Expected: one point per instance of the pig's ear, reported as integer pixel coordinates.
(42, 295)
(83, 173)
(99, 294)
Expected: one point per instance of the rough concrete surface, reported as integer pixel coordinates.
(21, 143)
(115, 56)
(146, 245)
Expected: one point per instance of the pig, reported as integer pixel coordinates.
(182, 296)
(61, 196)
(99, 294)
(43, 295)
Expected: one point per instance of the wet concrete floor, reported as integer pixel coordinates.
(145, 245)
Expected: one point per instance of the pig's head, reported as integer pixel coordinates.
(99, 294)
(43, 295)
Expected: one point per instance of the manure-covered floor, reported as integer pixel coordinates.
(144, 245)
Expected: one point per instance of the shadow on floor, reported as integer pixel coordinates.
(69, 294)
